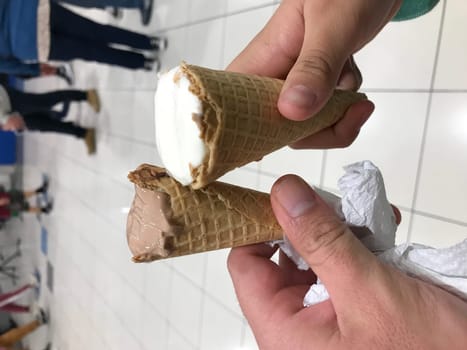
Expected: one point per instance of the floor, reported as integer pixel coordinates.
(415, 72)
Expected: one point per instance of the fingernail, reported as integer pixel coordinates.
(295, 196)
(300, 96)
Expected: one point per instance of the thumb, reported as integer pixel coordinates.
(330, 36)
(309, 85)
(314, 76)
(323, 240)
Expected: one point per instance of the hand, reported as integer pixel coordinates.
(4, 201)
(372, 306)
(14, 123)
(47, 69)
(310, 43)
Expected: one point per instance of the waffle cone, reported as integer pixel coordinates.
(241, 122)
(217, 216)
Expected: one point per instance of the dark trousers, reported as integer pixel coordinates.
(47, 122)
(76, 37)
(24, 102)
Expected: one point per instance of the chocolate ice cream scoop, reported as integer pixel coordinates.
(149, 231)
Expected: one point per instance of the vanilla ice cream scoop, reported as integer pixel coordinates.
(209, 122)
(177, 133)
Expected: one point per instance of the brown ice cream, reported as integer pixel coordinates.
(149, 231)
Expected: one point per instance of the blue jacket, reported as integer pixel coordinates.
(18, 36)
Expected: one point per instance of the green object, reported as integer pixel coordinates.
(414, 8)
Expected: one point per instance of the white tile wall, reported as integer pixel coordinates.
(402, 55)
(185, 308)
(204, 41)
(452, 66)
(205, 9)
(223, 334)
(240, 28)
(245, 5)
(444, 156)
(218, 284)
(429, 229)
(155, 329)
(171, 13)
(391, 139)
(103, 301)
(176, 52)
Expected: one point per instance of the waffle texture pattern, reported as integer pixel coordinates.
(215, 217)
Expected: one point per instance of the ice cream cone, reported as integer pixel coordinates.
(241, 123)
(217, 216)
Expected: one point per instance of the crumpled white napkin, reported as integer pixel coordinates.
(365, 208)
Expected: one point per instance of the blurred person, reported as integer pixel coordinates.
(12, 99)
(8, 300)
(11, 337)
(14, 202)
(49, 121)
(21, 111)
(63, 71)
(144, 6)
(40, 30)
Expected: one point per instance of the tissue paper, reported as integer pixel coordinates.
(365, 208)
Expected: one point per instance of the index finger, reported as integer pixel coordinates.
(341, 134)
(258, 281)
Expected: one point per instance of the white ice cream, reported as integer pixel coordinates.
(177, 134)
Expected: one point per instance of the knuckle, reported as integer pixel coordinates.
(317, 63)
(320, 238)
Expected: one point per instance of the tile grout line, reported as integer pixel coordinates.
(216, 17)
(414, 211)
(167, 321)
(84, 166)
(92, 287)
(383, 90)
(212, 297)
(324, 159)
(243, 333)
(440, 218)
(202, 303)
(128, 138)
(426, 124)
(70, 292)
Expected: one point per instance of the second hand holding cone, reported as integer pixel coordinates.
(209, 122)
